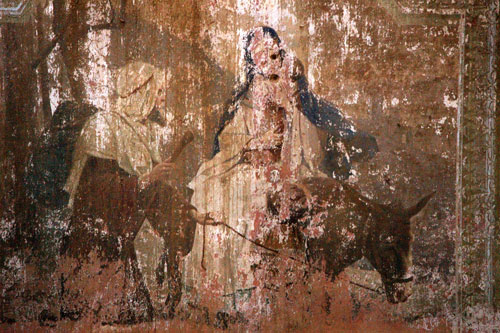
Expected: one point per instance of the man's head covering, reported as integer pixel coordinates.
(137, 87)
(120, 135)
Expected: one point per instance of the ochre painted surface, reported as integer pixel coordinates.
(273, 235)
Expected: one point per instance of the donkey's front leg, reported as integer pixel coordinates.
(132, 267)
(160, 269)
(174, 280)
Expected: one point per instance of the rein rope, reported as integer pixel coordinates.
(379, 290)
(216, 224)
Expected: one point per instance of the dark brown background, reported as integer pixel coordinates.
(395, 74)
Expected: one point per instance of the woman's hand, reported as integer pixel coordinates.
(261, 158)
(269, 140)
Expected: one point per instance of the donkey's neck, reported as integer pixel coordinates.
(366, 224)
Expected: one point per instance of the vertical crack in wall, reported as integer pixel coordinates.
(458, 185)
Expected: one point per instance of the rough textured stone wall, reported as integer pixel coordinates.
(394, 68)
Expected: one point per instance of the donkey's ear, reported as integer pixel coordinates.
(414, 210)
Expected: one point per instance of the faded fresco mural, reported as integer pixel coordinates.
(249, 165)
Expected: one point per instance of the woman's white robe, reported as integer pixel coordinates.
(236, 192)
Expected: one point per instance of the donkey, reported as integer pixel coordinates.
(353, 227)
(48, 170)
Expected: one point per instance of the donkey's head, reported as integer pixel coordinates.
(388, 247)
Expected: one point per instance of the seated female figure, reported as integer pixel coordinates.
(266, 141)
